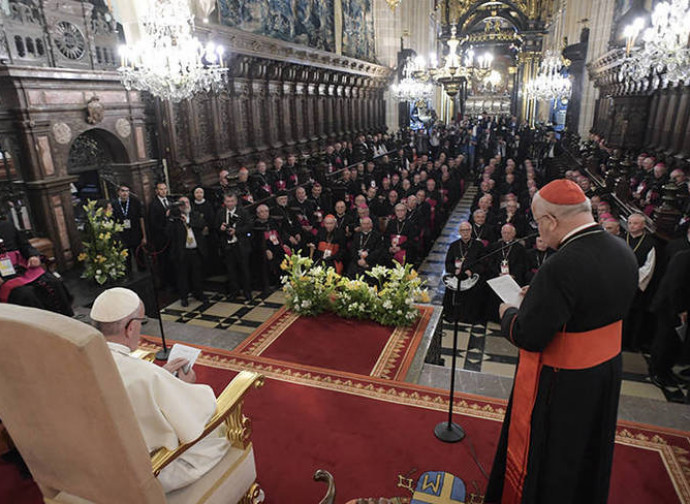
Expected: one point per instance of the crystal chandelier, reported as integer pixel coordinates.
(168, 61)
(665, 53)
(550, 83)
(410, 89)
(459, 68)
(393, 4)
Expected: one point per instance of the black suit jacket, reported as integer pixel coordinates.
(243, 227)
(177, 233)
(158, 223)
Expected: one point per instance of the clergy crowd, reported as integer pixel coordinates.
(383, 198)
(386, 198)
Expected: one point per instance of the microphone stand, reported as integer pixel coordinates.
(449, 431)
(165, 352)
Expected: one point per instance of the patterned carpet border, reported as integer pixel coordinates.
(393, 363)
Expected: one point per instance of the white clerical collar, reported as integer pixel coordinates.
(119, 348)
(577, 230)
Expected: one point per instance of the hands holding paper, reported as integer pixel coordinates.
(177, 366)
(504, 306)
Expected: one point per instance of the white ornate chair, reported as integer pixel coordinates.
(64, 404)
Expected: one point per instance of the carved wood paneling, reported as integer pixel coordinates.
(678, 130)
(669, 120)
(654, 107)
(659, 119)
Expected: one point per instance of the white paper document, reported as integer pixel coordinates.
(179, 351)
(507, 289)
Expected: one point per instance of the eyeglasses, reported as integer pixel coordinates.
(540, 218)
(143, 320)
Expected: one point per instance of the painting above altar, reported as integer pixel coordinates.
(306, 22)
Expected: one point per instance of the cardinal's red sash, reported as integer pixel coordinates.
(566, 351)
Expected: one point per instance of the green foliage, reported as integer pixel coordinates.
(104, 257)
(312, 290)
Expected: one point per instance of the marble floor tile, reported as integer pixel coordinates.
(645, 390)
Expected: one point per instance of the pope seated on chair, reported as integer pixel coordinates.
(169, 407)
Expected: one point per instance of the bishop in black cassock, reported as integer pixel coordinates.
(463, 259)
(557, 439)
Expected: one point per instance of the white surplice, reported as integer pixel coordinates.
(170, 412)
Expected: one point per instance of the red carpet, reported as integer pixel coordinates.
(368, 432)
(332, 342)
(373, 434)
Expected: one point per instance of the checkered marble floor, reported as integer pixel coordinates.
(482, 349)
(219, 312)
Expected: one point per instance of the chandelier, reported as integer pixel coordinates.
(168, 61)
(550, 83)
(458, 69)
(393, 4)
(410, 89)
(665, 51)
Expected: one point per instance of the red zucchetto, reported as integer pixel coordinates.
(562, 192)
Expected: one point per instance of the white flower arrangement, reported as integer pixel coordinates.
(311, 290)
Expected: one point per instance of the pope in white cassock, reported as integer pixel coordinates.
(170, 409)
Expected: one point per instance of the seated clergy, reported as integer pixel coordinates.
(169, 407)
(22, 279)
(269, 244)
(367, 249)
(329, 247)
(399, 236)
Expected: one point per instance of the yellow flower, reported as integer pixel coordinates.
(425, 297)
(101, 236)
(82, 256)
(284, 265)
(124, 253)
(107, 237)
(412, 275)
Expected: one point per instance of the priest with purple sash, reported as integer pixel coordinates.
(23, 280)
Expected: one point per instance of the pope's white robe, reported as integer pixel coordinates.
(170, 412)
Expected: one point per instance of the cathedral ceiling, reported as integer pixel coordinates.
(519, 15)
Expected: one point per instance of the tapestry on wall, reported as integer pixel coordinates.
(358, 29)
(306, 22)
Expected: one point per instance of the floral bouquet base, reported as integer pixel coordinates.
(388, 298)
